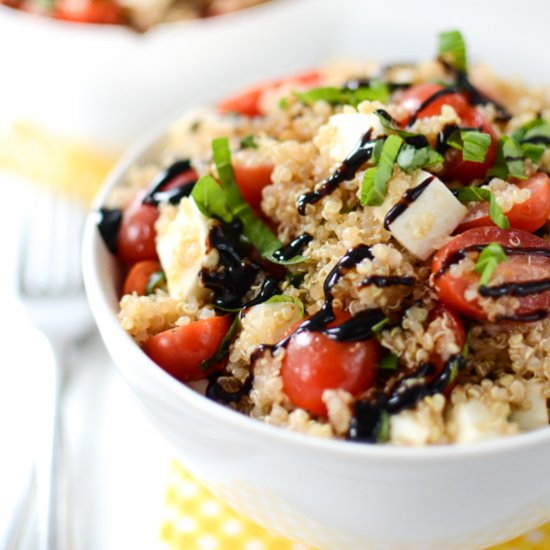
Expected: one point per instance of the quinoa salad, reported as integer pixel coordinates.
(357, 252)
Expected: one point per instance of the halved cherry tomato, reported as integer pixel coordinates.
(90, 11)
(251, 180)
(470, 117)
(136, 236)
(180, 351)
(247, 103)
(138, 276)
(529, 215)
(454, 324)
(519, 268)
(314, 363)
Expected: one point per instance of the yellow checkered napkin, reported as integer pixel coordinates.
(197, 520)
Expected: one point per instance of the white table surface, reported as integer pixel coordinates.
(119, 464)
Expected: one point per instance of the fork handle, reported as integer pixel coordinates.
(51, 473)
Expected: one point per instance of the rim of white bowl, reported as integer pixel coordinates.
(61, 24)
(354, 450)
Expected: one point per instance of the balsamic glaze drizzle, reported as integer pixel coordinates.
(269, 288)
(358, 327)
(235, 274)
(385, 281)
(108, 226)
(428, 101)
(405, 201)
(417, 141)
(293, 248)
(156, 195)
(346, 171)
(523, 288)
(406, 394)
(216, 391)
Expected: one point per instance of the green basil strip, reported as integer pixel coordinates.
(488, 259)
(389, 361)
(473, 144)
(249, 142)
(375, 180)
(510, 161)
(376, 329)
(225, 202)
(383, 428)
(410, 158)
(452, 50)
(481, 194)
(279, 298)
(223, 348)
(377, 91)
(390, 124)
(210, 199)
(156, 280)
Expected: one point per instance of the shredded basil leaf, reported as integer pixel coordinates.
(249, 142)
(410, 158)
(223, 348)
(488, 259)
(383, 428)
(481, 194)
(534, 131)
(292, 261)
(278, 298)
(376, 91)
(283, 103)
(210, 198)
(452, 50)
(156, 280)
(376, 329)
(224, 201)
(390, 124)
(389, 361)
(510, 161)
(375, 180)
(473, 144)
(455, 368)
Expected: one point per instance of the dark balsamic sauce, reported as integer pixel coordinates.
(235, 274)
(385, 281)
(346, 171)
(428, 101)
(537, 140)
(407, 392)
(537, 315)
(108, 226)
(354, 84)
(156, 195)
(216, 390)
(269, 288)
(524, 288)
(293, 248)
(405, 201)
(417, 141)
(355, 329)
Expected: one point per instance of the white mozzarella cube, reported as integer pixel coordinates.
(406, 428)
(349, 129)
(182, 247)
(426, 222)
(537, 414)
(473, 421)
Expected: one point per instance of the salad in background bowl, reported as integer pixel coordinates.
(385, 153)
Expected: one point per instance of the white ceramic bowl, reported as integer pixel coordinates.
(332, 494)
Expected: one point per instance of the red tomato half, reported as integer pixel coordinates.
(454, 324)
(247, 103)
(180, 351)
(90, 11)
(470, 117)
(519, 267)
(251, 181)
(138, 277)
(314, 363)
(527, 216)
(136, 236)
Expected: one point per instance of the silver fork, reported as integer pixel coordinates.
(50, 288)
